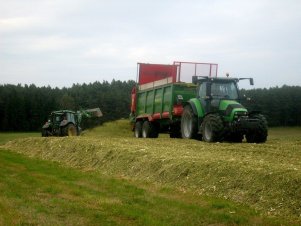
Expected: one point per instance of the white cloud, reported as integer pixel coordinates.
(15, 23)
(52, 43)
(79, 40)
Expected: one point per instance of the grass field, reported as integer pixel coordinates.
(35, 192)
(216, 179)
(5, 137)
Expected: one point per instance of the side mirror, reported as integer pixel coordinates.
(251, 81)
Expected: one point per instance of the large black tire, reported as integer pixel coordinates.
(260, 134)
(69, 130)
(212, 128)
(138, 129)
(44, 133)
(189, 124)
(149, 130)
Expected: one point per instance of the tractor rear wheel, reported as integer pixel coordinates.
(69, 130)
(138, 129)
(212, 128)
(72, 131)
(189, 125)
(259, 135)
(149, 130)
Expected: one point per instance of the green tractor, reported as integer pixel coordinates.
(216, 115)
(67, 122)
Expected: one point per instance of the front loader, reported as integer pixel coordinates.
(67, 122)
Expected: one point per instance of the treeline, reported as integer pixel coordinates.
(280, 105)
(25, 108)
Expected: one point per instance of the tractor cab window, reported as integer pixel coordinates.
(64, 117)
(202, 90)
(226, 90)
(71, 118)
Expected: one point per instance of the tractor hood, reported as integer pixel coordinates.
(231, 108)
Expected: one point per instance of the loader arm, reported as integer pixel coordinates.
(88, 113)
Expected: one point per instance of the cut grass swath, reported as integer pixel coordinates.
(35, 192)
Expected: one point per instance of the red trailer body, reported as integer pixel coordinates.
(154, 72)
(176, 72)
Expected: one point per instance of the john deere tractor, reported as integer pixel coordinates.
(216, 115)
(66, 122)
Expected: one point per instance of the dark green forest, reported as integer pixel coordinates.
(280, 105)
(25, 108)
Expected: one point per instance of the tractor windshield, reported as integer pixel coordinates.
(222, 90)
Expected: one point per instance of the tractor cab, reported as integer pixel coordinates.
(211, 91)
(214, 92)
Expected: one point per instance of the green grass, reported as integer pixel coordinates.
(266, 177)
(8, 136)
(119, 128)
(36, 192)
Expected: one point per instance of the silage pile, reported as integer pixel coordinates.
(267, 176)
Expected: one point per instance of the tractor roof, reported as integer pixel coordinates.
(197, 79)
(60, 112)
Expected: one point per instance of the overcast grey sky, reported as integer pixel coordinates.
(61, 42)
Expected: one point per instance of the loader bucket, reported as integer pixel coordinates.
(95, 112)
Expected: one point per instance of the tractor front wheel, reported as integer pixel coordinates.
(258, 135)
(212, 128)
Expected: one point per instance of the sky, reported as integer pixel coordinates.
(65, 42)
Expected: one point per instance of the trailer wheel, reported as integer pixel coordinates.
(189, 123)
(149, 130)
(138, 129)
(212, 128)
(259, 135)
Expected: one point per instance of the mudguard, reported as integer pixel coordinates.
(196, 107)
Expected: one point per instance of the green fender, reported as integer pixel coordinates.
(196, 107)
